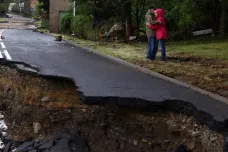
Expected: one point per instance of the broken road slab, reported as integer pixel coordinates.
(99, 78)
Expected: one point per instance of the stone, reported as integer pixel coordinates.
(181, 148)
(45, 99)
(30, 148)
(104, 125)
(145, 141)
(213, 139)
(33, 150)
(61, 144)
(196, 133)
(135, 142)
(191, 146)
(78, 146)
(39, 143)
(1, 116)
(4, 134)
(24, 146)
(36, 127)
(46, 145)
(58, 38)
(7, 147)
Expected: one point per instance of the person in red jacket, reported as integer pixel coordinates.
(161, 32)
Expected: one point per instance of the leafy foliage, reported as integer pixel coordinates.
(81, 26)
(66, 23)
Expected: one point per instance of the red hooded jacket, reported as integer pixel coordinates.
(161, 32)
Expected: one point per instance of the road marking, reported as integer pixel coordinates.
(8, 57)
(1, 57)
(3, 45)
(1, 31)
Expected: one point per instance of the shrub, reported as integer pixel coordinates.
(38, 10)
(82, 26)
(66, 23)
(2, 9)
(15, 8)
(45, 23)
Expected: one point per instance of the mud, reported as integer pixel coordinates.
(207, 74)
(55, 105)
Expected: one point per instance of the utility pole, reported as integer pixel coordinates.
(74, 12)
(20, 6)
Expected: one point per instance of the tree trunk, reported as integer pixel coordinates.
(137, 17)
(27, 11)
(129, 29)
(216, 16)
(224, 19)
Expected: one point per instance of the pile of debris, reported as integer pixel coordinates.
(63, 141)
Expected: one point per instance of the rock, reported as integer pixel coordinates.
(46, 145)
(41, 32)
(104, 125)
(213, 139)
(145, 141)
(58, 38)
(191, 146)
(135, 142)
(36, 127)
(61, 144)
(167, 141)
(1, 116)
(39, 143)
(4, 134)
(196, 133)
(84, 110)
(45, 99)
(7, 147)
(181, 148)
(24, 146)
(30, 148)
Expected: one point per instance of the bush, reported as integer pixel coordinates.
(15, 8)
(45, 23)
(2, 9)
(82, 27)
(66, 23)
(38, 10)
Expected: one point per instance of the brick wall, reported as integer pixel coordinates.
(56, 6)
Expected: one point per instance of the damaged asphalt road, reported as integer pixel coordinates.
(103, 81)
(98, 77)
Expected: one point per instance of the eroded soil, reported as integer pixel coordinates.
(208, 74)
(55, 104)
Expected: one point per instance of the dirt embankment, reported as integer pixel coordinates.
(55, 105)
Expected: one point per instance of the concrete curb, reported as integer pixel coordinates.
(151, 73)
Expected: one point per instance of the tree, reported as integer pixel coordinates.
(224, 18)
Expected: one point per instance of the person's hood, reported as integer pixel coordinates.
(160, 13)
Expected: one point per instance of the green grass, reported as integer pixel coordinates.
(2, 20)
(215, 50)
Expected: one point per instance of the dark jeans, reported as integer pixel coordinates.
(163, 49)
(152, 47)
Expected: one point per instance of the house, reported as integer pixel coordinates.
(56, 11)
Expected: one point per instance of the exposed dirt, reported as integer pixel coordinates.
(208, 74)
(55, 104)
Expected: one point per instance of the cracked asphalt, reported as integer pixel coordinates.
(97, 76)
